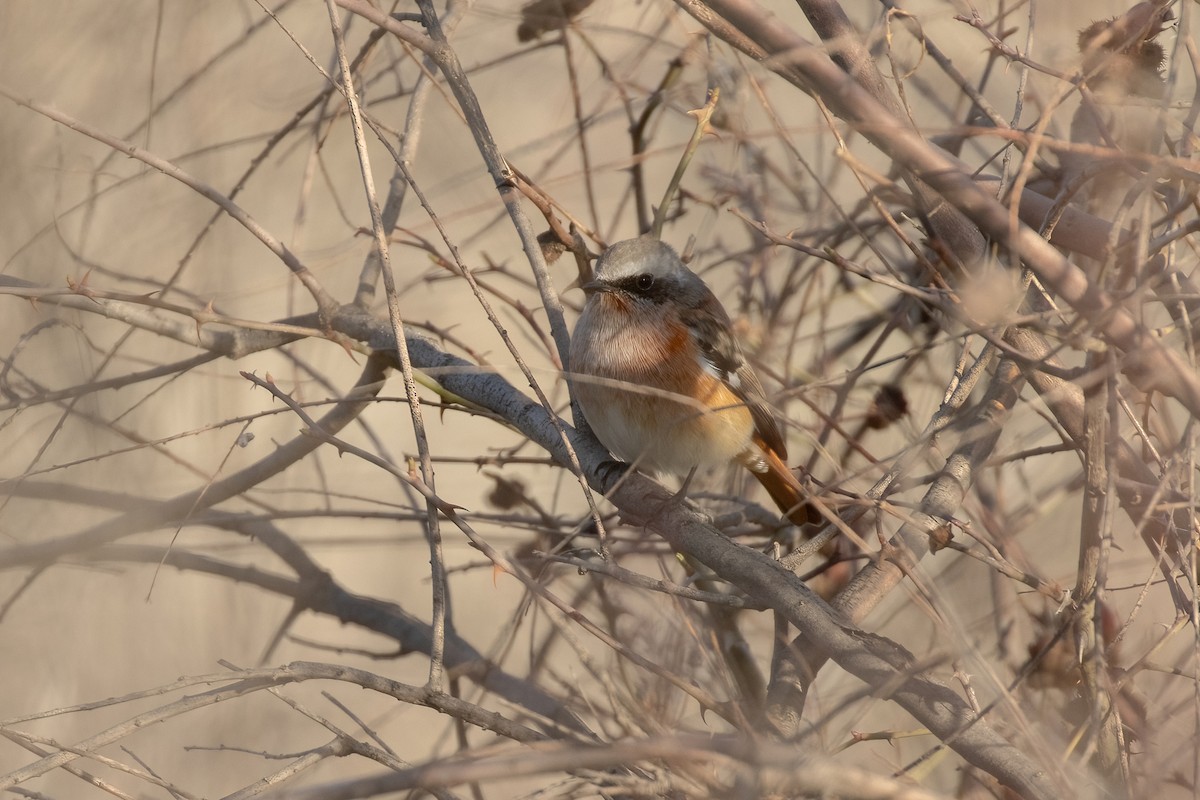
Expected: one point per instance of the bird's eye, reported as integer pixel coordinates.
(644, 282)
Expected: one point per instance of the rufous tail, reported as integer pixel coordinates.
(785, 489)
(788, 493)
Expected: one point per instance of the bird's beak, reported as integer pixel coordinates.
(591, 287)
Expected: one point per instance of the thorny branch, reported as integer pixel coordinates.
(962, 394)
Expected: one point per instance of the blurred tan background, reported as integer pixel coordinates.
(81, 631)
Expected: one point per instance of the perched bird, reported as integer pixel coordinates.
(1122, 64)
(663, 382)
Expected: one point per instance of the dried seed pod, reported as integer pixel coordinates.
(543, 16)
(888, 406)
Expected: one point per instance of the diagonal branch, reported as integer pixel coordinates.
(873, 659)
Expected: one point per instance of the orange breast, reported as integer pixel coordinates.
(647, 366)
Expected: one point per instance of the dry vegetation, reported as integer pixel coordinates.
(957, 240)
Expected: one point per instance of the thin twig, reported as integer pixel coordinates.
(433, 524)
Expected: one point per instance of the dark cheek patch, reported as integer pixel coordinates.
(655, 294)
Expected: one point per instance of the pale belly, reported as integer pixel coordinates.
(662, 435)
(633, 398)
